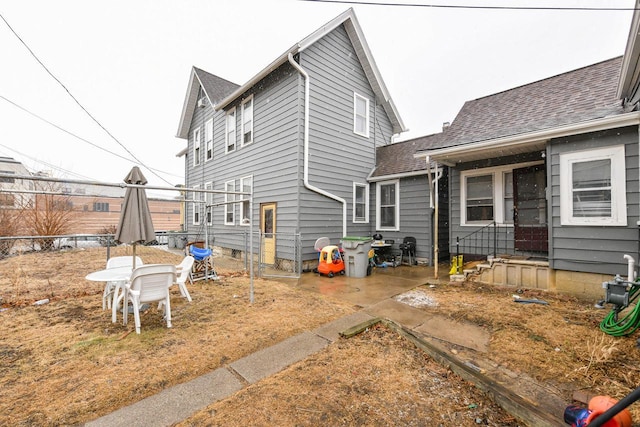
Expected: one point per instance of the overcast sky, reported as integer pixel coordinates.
(128, 63)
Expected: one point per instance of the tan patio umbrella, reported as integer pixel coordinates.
(135, 225)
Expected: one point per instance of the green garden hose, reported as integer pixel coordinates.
(613, 326)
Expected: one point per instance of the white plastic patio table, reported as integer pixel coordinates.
(115, 274)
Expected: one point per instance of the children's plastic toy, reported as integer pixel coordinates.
(602, 411)
(330, 262)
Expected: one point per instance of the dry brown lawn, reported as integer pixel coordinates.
(64, 363)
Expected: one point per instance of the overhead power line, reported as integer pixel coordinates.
(453, 6)
(73, 135)
(78, 102)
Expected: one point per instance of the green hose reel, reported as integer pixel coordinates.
(621, 293)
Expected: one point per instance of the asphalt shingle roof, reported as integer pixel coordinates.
(398, 158)
(216, 87)
(576, 96)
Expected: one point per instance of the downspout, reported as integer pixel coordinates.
(434, 203)
(306, 148)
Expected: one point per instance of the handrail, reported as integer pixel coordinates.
(491, 240)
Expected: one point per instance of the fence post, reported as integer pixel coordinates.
(495, 239)
(457, 254)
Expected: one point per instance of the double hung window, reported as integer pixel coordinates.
(388, 205)
(229, 208)
(208, 140)
(230, 136)
(247, 121)
(246, 185)
(593, 187)
(360, 115)
(196, 147)
(360, 203)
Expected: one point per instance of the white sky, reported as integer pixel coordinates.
(128, 63)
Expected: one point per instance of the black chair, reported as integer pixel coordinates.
(408, 249)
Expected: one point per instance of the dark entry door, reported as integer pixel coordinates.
(530, 209)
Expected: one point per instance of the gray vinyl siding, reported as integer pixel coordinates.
(272, 159)
(337, 156)
(458, 231)
(416, 216)
(595, 249)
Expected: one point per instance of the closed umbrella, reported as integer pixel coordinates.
(135, 224)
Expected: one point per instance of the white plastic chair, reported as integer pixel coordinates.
(111, 289)
(184, 273)
(149, 283)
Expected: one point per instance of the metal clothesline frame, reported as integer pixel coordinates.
(182, 190)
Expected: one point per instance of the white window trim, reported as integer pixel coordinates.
(253, 107)
(197, 148)
(196, 206)
(357, 96)
(618, 186)
(498, 192)
(366, 203)
(396, 227)
(242, 181)
(230, 114)
(208, 137)
(230, 207)
(208, 198)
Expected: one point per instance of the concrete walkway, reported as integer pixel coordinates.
(375, 295)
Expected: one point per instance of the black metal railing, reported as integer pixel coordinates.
(499, 240)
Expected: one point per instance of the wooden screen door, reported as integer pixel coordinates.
(268, 232)
(530, 209)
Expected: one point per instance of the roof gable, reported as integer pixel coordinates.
(215, 89)
(348, 19)
(577, 96)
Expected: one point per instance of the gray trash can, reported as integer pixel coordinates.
(356, 255)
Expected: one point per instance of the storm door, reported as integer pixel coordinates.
(268, 231)
(530, 209)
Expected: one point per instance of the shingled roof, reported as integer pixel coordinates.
(576, 96)
(397, 159)
(215, 87)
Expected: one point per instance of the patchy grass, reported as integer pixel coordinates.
(65, 363)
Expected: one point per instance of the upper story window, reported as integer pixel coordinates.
(360, 115)
(196, 147)
(247, 121)
(593, 187)
(388, 205)
(360, 203)
(246, 185)
(229, 208)
(208, 140)
(230, 135)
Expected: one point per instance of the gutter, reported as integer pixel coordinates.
(308, 185)
(442, 155)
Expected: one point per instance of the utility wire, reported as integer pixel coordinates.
(73, 134)
(78, 102)
(451, 6)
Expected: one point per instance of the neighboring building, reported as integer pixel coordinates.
(302, 134)
(13, 199)
(95, 207)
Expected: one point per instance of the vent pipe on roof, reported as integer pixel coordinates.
(445, 125)
(306, 147)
